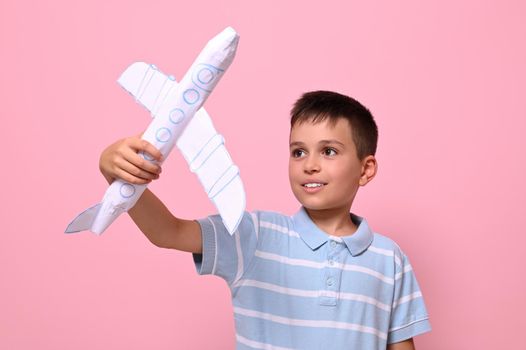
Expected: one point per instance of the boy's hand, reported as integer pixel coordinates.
(121, 161)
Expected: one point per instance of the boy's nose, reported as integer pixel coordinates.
(311, 165)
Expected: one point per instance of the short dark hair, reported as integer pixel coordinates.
(317, 106)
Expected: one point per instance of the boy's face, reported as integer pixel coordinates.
(324, 170)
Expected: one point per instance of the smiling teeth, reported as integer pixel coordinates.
(313, 185)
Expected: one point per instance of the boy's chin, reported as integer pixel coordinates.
(311, 203)
(314, 206)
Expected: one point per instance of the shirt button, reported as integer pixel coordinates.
(333, 244)
(331, 262)
(330, 281)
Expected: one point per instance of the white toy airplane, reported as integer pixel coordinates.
(179, 119)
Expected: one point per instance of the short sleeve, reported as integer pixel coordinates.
(225, 255)
(409, 316)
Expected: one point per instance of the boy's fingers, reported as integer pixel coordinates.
(143, 164)
(145, 146)
(134, 172)
(121, 174)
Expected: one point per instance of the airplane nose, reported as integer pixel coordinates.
(224, 45)
(228, 37)
(213, 61)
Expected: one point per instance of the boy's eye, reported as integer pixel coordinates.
(297, 153)
(329, 151)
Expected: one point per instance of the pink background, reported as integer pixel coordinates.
(445, 81)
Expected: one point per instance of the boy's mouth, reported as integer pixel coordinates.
(314, 184)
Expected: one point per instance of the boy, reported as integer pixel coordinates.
(320, 279)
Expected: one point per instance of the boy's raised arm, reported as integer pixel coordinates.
(120, 160)
(162, 228)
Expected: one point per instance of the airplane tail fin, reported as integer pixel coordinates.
(84, 220)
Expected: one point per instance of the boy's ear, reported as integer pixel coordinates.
(369, 169)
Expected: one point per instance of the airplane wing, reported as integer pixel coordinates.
(201, 145)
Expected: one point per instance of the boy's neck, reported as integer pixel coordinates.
(335, 222)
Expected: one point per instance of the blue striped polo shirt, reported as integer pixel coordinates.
(294, 286)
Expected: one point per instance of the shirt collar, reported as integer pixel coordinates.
(314, 237)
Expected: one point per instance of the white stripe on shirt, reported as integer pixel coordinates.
(385, 252)
(407, 298)
(239, 252)
(313, 293)
(407, 268)
(255, 221)
(309, 323)
(320, 265)
(215, 240)
(279, 228)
